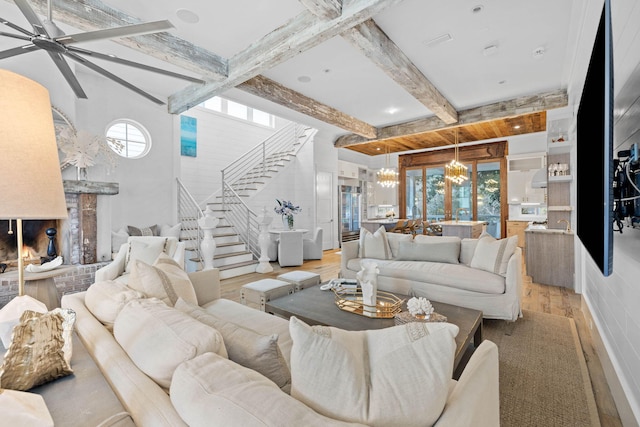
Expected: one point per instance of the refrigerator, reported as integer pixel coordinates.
(350, 211)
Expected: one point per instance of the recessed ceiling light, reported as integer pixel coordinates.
(392, 110)
(501, 82)
(490, 50)
(304, 79)
(187, 16)
(327, 70)
(438, 40)
(516, 127)
(378, 149)
(477, 8)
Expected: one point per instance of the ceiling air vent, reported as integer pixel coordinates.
(438, 40)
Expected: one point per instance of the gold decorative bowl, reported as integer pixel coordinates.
(350, 299)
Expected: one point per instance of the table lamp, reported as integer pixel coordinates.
(30, 178)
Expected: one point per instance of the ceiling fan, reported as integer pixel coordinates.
(47, 36)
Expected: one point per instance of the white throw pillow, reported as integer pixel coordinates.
(432, 251)
(165, 280)
(158, 338)
(394, 240)
(467, 249)
(143, 251)
(246, 347)
(118, 238)
(374, 245)
(493, 255)
(106, 299)
(167, 230)
(393, 376)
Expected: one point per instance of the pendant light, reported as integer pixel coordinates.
(455, 171)
(387, 177)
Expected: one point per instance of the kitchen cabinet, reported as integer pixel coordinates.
(550, 258)
(516, 228)
(462, 229)
(347, 169)
(520, 171)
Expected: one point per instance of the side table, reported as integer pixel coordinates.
(42, 287)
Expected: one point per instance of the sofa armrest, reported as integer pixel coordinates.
(115, 268)
(178, 256)
(349, 252)
(475, 400)
(513, 280)
(206, 283)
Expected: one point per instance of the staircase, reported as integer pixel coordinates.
(237, 232)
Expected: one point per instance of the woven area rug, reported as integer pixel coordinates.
(543, 374)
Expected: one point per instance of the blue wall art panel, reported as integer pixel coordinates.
(188, 136)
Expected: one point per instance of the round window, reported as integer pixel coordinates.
(128, 139)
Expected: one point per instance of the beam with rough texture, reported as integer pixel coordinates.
(275, 92)
(300, 34)
(510, 108)
(326, 9)
(372, 42)
(89, 15)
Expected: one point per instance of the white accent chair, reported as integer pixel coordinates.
(290, 249)
(312, 248)
(144, 248)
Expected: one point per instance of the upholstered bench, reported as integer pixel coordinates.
(300, 279)
(264, 290)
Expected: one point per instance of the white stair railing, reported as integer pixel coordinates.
(189, 213)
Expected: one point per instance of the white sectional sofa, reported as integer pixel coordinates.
(483, 274)
(211, 390)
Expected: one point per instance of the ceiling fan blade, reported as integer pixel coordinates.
(68, 74)
(15, 36)
(111, 76)
(133, 64)
(17, 51)
(17, 28)
(31, 16)
(116, 32)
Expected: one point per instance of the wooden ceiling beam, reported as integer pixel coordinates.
(372, 42)
(325, 9)
(275, 92)
(300, 34)
(88, 15)
(498, 110)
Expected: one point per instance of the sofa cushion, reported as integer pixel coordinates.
(467, 249)
(246, 347)
(106, 299)
(167, 230)
(144, 251)
(394, 240)
(209, 390)
(158, 338)
(452, 275)
(393, 376)
(434, 251)
(40, 350)
(493, 255)
(255, 320)
(165, 279)
(374, 245)
(118, 238)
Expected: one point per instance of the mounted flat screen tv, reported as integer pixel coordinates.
(595, 150)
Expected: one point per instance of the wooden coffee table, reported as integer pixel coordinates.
(316, 307)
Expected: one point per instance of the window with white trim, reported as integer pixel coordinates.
(128, 139)
(239, 111)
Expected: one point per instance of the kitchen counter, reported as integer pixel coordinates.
(373, 224)
(549, 256)
(462, 229)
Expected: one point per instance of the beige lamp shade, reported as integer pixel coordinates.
(30, 178)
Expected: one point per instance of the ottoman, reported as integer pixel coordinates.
(264, 290)
(300, 279)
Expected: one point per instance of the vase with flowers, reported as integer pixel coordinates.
(286, 209)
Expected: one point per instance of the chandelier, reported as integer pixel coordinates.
(387, 177)
(455, 171)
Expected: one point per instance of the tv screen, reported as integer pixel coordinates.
(595, 150)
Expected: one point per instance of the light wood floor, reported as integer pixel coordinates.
(542, 298)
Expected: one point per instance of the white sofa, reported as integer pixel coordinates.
(453, 282)
(472, 400)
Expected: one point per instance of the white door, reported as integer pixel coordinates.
(324, 207)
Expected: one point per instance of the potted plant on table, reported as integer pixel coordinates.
(286, 209)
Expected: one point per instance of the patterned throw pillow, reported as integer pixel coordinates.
(152, 230)
(40, 350)
(493, 255)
